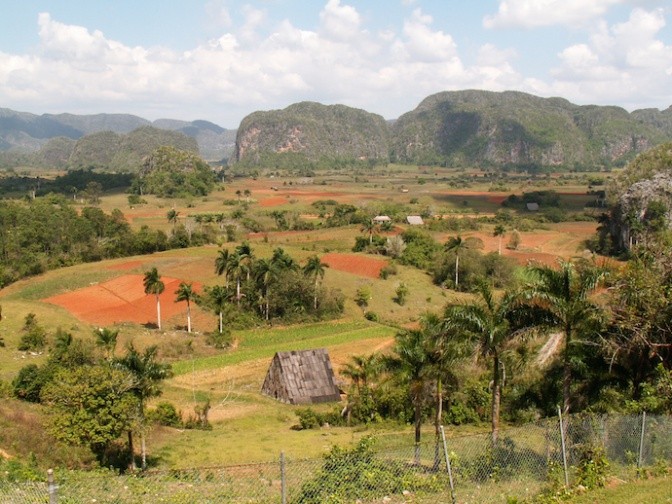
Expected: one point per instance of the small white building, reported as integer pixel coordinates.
(415, 220)
(379, 219)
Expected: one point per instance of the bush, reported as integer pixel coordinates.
(165, 414)
(387, 270)
(372, 316)
(219, 340)
(357, 474)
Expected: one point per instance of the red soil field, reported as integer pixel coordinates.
(122, 299)
(271, 202)
(354, 263)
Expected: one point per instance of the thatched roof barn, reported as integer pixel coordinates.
(301, 377)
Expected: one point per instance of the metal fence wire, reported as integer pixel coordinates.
(450, 469)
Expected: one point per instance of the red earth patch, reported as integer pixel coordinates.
(122, 299)
(356, 264)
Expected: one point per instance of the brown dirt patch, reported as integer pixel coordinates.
(129, 265)
(271, 202)
(122, 299)
(356, 264)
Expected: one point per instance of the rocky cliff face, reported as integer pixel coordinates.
(314, 131)
(461, 128)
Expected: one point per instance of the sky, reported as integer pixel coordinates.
(220, 60)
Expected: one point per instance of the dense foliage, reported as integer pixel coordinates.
(48, 233)
(170, 172)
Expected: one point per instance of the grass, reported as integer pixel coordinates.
(652, 491)
(261, 343)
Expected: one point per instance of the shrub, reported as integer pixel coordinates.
(387, 270)
(165, 414)
(357, 474)
(372, 316)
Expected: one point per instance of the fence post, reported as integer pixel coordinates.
(51, 486)
(283, 478)
(641, 442)
(564, 451)
(448, 467)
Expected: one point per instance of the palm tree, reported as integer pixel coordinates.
(236, 268)
(185, 292)
(107, 340)
(172, 216)
(217, 297)
(147, 373)
(361, 369)
(410, 365)
(315, 268)
(499, 232)
(265, 272)
(487, 321)
(371, 227)
(222, 264)
(154, 285)
(447, 348)
(456, 244)
(562, 298)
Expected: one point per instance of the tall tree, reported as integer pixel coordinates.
(410, 365)
(222, 264)
(370, 227)
(147, 374)
(499, 233)
(316, 269)
(265, 272)
(487, 321)
(561, 296)
(154, 285)
(217, 298)
(91, 405)
(457, 245)
(447, 347)
(172, 217)
(236, 269)
(185, 292)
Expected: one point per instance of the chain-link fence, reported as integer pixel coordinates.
(464, 469)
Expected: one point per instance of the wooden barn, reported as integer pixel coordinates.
(301, 377)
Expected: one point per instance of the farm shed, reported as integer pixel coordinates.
(415, 220)
(381, 218)
(301, 377)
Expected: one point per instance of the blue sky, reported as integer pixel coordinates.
(220, 60)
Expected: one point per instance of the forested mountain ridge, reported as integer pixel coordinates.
(456, 128)
(314, 130)
(462, 128)
(23, 133)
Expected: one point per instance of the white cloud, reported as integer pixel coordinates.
(339, 22)
(424, 44)
(625, 63)
(259, 64)
(536, 13)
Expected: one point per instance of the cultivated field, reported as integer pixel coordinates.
(248, 427)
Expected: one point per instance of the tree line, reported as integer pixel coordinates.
(579, 336)
(48, 233)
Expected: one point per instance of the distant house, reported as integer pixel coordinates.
(301, 377)
(533, 207)
(415, 220)
(381, 218)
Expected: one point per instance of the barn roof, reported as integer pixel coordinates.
(415, 220)
(301, 377)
